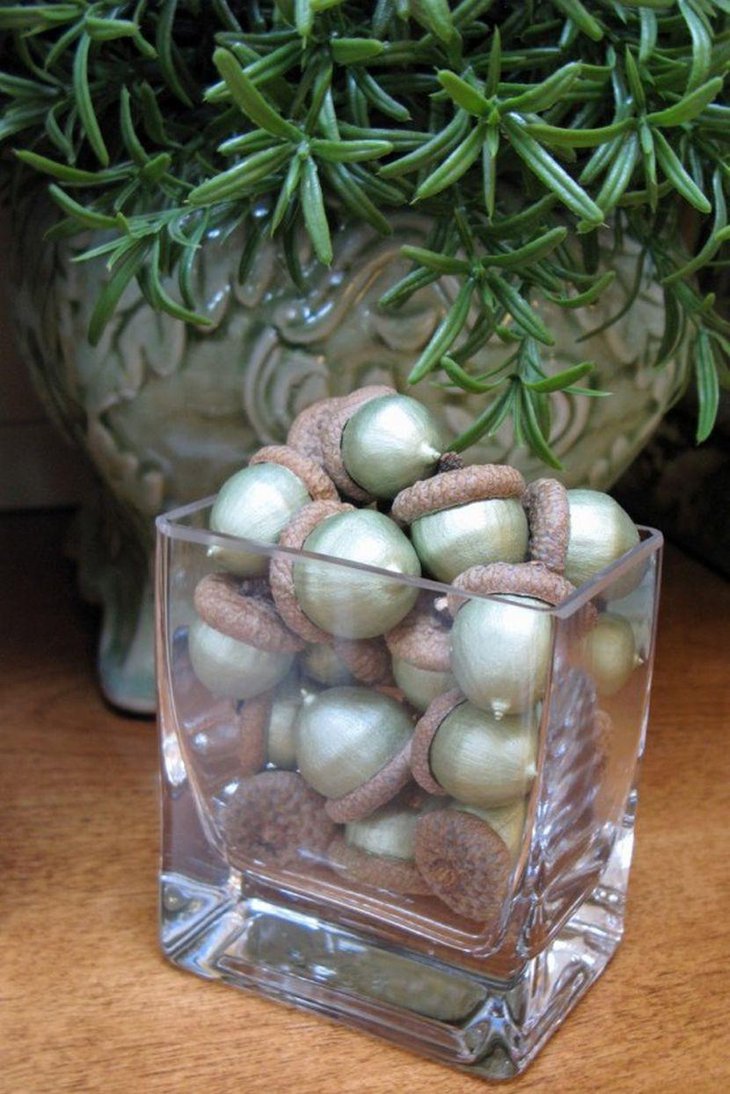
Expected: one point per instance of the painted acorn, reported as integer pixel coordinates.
(475, 757)
(501, 649)
(257, 502)
(389, 443)
(463, 517)
(233, 669)
(358, 604)
(609, 653)
(420, 648)
(350, 741)
(379, 851)
(600, 532)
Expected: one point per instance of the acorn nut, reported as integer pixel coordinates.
(232, 669)
(347, 735)
(500, 652)
(463, 517)
(362, 604)
(389, 443)
(477, 758)
(257, 502)
(609, 653)
(600, 532)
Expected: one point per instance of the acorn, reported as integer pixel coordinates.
(501, 649)
(508, 821)
(379, 850)
(420, 647)
(500, 653)
(348, 739)
(233, 669)
(473, 756)
(356, 603)
(323, 664)
(389, 443)
(600, 533)
(609, 653)
(463, 517)
(258, 501)
(282, 731)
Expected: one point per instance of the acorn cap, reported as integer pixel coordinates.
(276, 819)
(367, 659)
(254, 719)
(531, 579)
(378, 871)
(423, 735)
(479, 482)
(378, 790)
(421, 638)
(466, 864)
(316, 480)
(252, 619)
(305, 431)
(548, 517)
(331, 427)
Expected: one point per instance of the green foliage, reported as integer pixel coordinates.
(521, 129)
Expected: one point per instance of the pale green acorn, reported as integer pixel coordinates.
(500, 652)
(256, 503)
(231, 669)
(348, 602)
(346, 735)
(482, 760)
(391, 442)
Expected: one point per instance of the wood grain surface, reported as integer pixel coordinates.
(87, 1003)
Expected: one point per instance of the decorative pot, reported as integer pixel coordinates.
(166, 412)
(462, 924)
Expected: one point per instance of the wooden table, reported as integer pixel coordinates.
(88, 1003)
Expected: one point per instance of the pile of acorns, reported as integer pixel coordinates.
(385, 731)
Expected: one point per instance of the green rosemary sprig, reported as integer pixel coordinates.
(521, 130)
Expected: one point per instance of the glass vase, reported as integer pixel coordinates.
(461, 914)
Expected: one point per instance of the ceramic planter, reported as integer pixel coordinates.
(303, 862)
(166, 413)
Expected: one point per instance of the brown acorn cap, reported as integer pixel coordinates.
(304, 432)
(250, 619)
(423, 735)
(316, 480)
(276, 819)
(466, 864)
(511, 579)
(421, 638)
(367, 659)
(479, 482)
(331, 429)
(280, 570)
(378, 790)
(378, 871)
(548, 516)
(254, 720)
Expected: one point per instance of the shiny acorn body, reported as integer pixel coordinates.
(451, 540)
(609, 653)
(346, 735)
(500, 652)
(600, 533)
(356, 603)
(482, 760)
(421, 686)
(390, 443)
(232, 669)
(256, 503)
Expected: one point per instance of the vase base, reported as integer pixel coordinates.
(488, 1027)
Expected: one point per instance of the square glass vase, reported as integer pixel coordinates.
(453, 878)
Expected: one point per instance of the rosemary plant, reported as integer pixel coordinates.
(521, 129)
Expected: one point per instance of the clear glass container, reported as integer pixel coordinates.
(461, 916)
